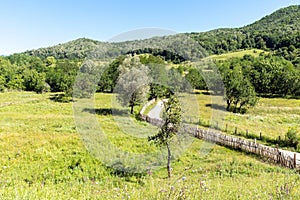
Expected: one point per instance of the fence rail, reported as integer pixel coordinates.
(275, 155)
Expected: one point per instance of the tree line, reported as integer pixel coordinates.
(247, 78)
(29, 73)
(244, 79)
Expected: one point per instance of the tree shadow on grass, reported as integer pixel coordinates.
(106, 111)
(128, 173)
(272, 96)
(216, 106)
(61, 98)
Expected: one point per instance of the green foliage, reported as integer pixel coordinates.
(2, 83)
(50, 61)
(159, 85)
(76, 49)
(132, 86)
(292, 138)
(109, 77)
(172, 120)
(159, 91)
(268, 74)
(151, 59)
(62, 76)
(16, 83)
(275, 31)
(195, 79)
(172, 117)
(157, 54)
(23, 72)
(238, 89)
(34, 81)
(177, 82)
(87, 80)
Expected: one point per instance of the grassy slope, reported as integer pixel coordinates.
(43, 157)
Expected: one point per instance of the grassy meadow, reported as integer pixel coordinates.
(237, 54)
(272, 117)
(44, 157)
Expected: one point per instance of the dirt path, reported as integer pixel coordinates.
(291, 154)
(155, 112)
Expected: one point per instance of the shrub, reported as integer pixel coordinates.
(292, 138)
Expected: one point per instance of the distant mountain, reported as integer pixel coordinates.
(277, 30)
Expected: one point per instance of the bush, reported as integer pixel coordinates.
(292, 138)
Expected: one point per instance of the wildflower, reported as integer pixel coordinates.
(183, 178)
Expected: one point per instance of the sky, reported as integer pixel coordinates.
(31, 24)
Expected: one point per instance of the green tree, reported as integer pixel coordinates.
(133, 83)
(159, 78)
(172, 119)
(109, 77)
(86, 80)
(175, 80)
(34, 81)
(132, 88)
(16, 83)
(195, 79)
(292, 138)
(247, 96)
(238, 90)
(61, 78)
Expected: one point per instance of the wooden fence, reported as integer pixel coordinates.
(275, 155)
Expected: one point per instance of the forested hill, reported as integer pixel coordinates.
(284, 19)
(276, 31)
(75, 49)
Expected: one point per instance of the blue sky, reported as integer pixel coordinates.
(29, 24)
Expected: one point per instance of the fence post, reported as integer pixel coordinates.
(278, 156)
(246, 133)
(279, 139)
(226, 128)
(260, 135)
(235, 130)
(295, 160)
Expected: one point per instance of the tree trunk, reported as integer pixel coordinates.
(235, 107)
(241, 105)
(169, 161)
(228, 105)
(131, 109)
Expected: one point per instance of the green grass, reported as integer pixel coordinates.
(271, 116)
(43, 157)
(238, 54)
